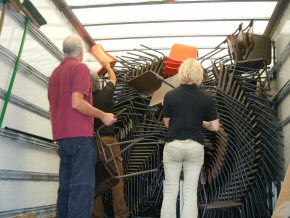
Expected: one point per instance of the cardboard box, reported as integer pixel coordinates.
(282, 208)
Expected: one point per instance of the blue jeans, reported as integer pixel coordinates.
(78, 157)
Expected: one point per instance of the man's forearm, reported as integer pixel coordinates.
(86, 108)
(112, 75)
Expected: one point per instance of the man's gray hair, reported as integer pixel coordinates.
(72, 45)
(96, 84)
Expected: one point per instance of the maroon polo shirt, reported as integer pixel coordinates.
(69, 77)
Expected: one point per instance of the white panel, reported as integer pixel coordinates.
(34, 53)
(283, 77)
(171, 29)
(286, 28)
(6, 72)
(24, 157)
(26, 121)
(197, 11)
(25, 87)
(57, 27)
(18, 194)
(11, 34)
(38, 57)
(32, 92)
(281, 43)
(286, 135)
(102, 2)
(201, 52)
(283, 27)
(160, 43)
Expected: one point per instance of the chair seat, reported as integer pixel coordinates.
(158, 96)
(146, 83)
(173, 61)
(172, 64)
(251, 64)
(220, 205)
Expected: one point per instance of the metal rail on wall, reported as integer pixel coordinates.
(27, 69)
(14, 175)
(28, 139)
(25, 104)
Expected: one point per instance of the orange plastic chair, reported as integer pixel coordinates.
(181, 52)
(172, 64)
(170, 71)
(102, 55)
(171, 60)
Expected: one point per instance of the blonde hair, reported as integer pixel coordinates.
(190, 72)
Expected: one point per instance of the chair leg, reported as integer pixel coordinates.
(240, 212)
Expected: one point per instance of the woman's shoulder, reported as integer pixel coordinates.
(172, 92)
(205, 95)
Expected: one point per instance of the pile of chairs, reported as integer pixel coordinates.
(243, 160)
(140, 135)
(247, 162)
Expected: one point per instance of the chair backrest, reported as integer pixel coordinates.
(241, 42)
(107, 171)
(261, 49)
(102, 55)
(170, 71)
(172, 64)
(181, 52)
(146, 83)
(158, 96)
(234, 50)
(171, 60)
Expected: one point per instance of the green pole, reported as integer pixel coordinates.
(27, 22)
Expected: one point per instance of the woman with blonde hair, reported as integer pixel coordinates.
(186, 110)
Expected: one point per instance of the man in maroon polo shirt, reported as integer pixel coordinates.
(72, 115)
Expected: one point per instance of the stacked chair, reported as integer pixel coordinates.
(247, 161)
(177, 55)
(243, 165)
(143, 160)
(100, 53)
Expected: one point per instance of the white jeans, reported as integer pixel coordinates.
(189, 155)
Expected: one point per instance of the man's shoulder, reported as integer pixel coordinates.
(109, 87)
(110, 84)
(74, 63)
(80, 65)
